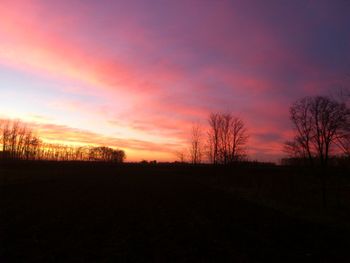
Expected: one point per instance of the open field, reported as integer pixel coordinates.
(166, 213)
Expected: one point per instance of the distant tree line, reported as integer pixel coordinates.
(20, 142)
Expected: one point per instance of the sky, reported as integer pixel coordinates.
(137, 74)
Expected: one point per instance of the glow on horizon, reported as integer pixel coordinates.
(136, 76)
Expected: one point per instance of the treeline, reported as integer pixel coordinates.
(20, 142)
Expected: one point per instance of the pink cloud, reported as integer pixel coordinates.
(156, 72)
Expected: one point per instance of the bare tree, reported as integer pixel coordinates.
(227, 138)
(238, 139)
(301, 117)
(5, 136)
(224, 146)
(181, 155)
(196, 144)
(329, 117)
(294, 149)
(318, 123)
(213, 137)
(342, 95)
(343, 142)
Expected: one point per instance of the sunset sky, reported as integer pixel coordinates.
(137, 74)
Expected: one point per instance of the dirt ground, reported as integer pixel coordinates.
(149, 214)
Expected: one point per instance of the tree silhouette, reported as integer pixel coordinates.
(227, 138)
(343, 138)
(181, 155)
(196, 144)
(213, 137)
(318, 123)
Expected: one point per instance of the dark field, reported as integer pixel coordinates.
(165, 213)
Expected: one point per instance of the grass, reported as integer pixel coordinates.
(68, 212)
